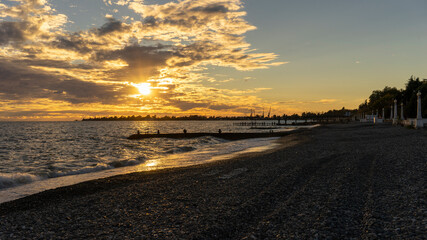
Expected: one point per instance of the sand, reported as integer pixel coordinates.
(333, 182)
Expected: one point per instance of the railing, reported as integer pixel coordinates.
(251, 124)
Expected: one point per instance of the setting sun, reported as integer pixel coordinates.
(144, 88)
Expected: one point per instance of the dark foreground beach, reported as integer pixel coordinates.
(333, 182)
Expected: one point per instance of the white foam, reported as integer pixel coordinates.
(8, 180)
(87, 169)
(216, 152)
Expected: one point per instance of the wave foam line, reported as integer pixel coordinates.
(8, 180)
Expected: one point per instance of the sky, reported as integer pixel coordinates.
(68, 59)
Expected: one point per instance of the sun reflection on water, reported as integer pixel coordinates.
(152, 163)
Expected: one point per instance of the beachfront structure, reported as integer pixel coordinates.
(377, 118)
(371, 118)
(419, 106)
(418, 122)
(395, 120)
(368, 118)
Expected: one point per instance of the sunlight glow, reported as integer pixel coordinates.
(143, 88)
(152, 163)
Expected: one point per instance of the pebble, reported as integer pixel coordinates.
(343, 182)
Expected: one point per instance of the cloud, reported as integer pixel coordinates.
(34, 18)
(73, 43)
(112, 26)
(187, 105)
(325, 101)
(169, 46)
(12, 32)
(143, 61)
(55, 64)
(212, 8)
(119, 2)
(19, 82)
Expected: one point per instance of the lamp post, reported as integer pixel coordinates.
(395, 112)
(419, 106)
(419, 122)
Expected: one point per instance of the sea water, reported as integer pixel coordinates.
(36, 156)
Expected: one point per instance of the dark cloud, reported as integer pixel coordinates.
(197, 52)
(52, 63)
(185, 105)
(150, 21)
(183, 22)
(143, 61)
(74, 43)
(134, 55)
(213, 8)
(12, 32)
(19, 82)
(186, 16)
(220, 107)
(111, 26)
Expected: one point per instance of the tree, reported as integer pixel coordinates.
(385, 98)
(380, 99)
(410, 97)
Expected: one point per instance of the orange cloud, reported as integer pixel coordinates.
(326, 101)
(169, 46)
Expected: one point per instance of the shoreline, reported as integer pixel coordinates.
(165, 162)
(349, 180)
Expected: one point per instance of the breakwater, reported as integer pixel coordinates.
(227, 136)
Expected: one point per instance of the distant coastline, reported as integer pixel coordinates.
(305, 115)
(172, 118)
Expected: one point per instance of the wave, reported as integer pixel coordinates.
(8, 180)
(178, 152)
(99, 167)
(181, 149)
(88, 169)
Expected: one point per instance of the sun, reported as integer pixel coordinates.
(144, 88)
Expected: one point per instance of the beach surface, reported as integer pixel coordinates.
(333, 182)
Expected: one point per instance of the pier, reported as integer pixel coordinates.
(293, 122)
(252, 124)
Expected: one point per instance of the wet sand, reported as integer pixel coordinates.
(337, 181)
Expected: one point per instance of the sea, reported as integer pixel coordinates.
(37, 156)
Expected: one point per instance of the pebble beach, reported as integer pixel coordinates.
(343, 181)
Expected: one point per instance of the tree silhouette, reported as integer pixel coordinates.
(380, 99)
